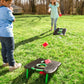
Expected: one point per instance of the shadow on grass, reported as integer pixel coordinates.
(32, 39)
(3, 72)
(1, 67)
(21, 79)
(41, 79)
(25, 16)
(38, 18)
(44, 33)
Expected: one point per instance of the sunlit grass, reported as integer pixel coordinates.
(69, 49)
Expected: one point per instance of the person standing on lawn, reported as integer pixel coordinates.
(53, 10)
(6, 35)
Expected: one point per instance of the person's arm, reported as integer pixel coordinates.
(58, 6)
(49, 8)
(59, 11)
(10, 16)
(14, 20)
(11, 8)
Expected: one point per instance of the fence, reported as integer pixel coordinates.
(41, 6)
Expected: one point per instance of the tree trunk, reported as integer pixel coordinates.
(62, 6)
(47, 3)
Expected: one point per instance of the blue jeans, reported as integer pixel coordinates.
(53, 21)
(7, 44)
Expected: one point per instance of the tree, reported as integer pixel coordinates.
(47, 3)
(62, 6)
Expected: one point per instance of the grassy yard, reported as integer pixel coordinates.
(30, 32)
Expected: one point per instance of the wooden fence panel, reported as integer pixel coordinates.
(41, 6)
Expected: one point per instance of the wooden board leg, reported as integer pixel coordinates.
(27, 73)
(46, 80)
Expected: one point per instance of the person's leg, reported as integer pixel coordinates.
(9, 45)
(51, 24)
(55, 21)
(4, 52)
(10, 48)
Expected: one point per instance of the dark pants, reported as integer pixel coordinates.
(7, 44)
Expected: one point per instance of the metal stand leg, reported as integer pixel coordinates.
(26, 73)
(46, 80)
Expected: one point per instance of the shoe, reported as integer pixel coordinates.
(5, 64)
(56, 31)
(16, 66)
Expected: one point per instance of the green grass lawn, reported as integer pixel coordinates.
(30, 32)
